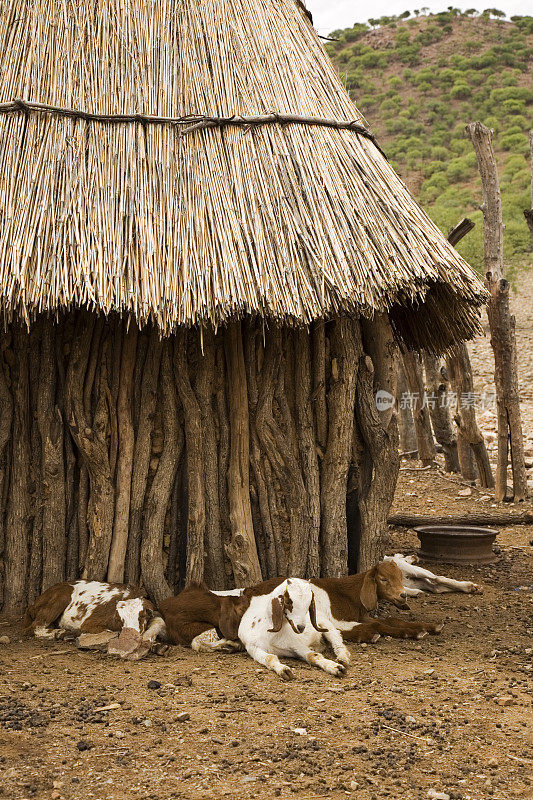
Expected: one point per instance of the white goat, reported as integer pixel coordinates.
(417, 579)
(284, 623)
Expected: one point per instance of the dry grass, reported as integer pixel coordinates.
(289, 221)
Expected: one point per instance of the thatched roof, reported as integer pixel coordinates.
(292, 221)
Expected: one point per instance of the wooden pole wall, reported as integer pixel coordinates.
(218, 456)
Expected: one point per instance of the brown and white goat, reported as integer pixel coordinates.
(92, 607)
(202, 620)
(348, 601)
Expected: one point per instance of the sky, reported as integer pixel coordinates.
(328, 15)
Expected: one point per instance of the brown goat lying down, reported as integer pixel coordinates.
(202, 620)
(207, 620)
(349, 600)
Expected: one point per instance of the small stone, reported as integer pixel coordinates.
(110, 707)
(183, 716)
(154, 685)
(300, 731)
(5, 640)
(354, 786)
(183, 680)
(83, 745)
(55, 795)
(58, 784)
(95, 641)
(147, 723)
(120, 734)
(505, 700)
(429, 671)
(434, 795)
(465, 492)
(493, 762)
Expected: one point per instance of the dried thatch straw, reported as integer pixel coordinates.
(288, 221)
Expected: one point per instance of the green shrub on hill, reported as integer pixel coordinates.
(440, 73)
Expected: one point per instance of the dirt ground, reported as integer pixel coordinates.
(451, 713)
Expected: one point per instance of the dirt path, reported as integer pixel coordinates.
(447, 713)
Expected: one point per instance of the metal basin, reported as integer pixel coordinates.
(456, 544)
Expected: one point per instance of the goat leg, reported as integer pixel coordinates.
(334, 637)
(270, 661)
(362, 632)
(318, 660)
(398, 628)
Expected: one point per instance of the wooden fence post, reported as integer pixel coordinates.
(502, 324)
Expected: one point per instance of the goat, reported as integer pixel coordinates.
(347, 602)
(417, 580)
(92, 607)
(202, 620)
(286, 622)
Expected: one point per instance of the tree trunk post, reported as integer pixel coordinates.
(346, 348)
(406, 423)
(439, 411)
(242, 549)
(18, 514)
(126, 442)
(501, 322)
(424, 435)
(50, 424)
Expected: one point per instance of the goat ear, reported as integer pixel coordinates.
(229, 620)
(369, 590)
(312, 614)
(277, 615)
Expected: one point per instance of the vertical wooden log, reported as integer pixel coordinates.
(465, 418)
(269, 566)
(53, 468)
(36, 486)
(141, 454)
(501, 322)
(292, 481)
(318, 336)
(406, 423)
(126, 443)
(346, 348)
(242, 550)
(173, 566)
(71, 465)
(307, 442)
(152, 567)
(205, 388)
(91, 441)
(223, 448)
(415, 381)
(6, 420)
(380, 441)
(439, 411)
(19, 513)
(465, 454)
(195, 462)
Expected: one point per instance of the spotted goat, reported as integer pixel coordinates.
(92, 607)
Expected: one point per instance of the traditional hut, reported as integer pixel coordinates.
(205, 263)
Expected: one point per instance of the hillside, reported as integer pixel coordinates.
(419, 81)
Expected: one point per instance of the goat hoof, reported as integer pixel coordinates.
(286, 674)
(160, 649)
(476, 589)
(437, 628)
(375, 637)
(421, 634)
